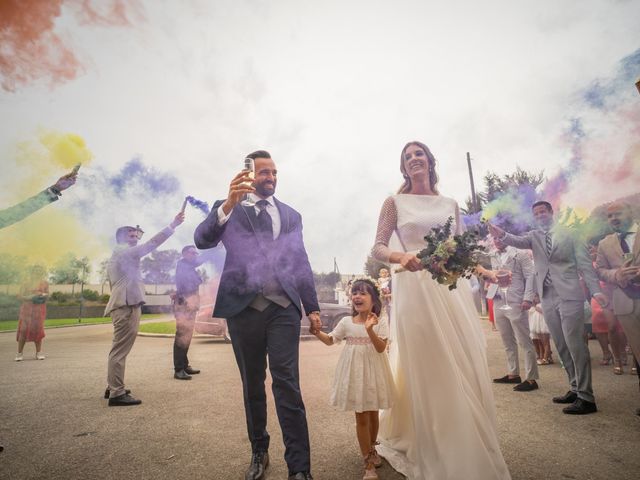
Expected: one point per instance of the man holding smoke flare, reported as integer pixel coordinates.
(125, 304)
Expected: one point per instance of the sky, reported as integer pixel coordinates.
(165, 98)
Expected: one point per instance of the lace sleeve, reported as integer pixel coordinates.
(386, 226)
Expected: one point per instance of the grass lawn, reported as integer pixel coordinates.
(159, 327)
(8, 325)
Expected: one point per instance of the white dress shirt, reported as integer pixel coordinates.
(631, 237)
(272, 210)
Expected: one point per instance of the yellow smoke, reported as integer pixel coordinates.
(504, 204)
(46, 159)
(54, 230)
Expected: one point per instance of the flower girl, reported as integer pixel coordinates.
(363, 381)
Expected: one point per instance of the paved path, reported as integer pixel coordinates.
(55, 424)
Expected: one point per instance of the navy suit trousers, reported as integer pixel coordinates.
(274, 332)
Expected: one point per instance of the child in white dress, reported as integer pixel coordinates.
(363, 381)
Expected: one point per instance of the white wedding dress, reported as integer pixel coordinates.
(443, 422)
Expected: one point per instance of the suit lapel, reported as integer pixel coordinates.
(636, 246)
(284, 215)
(615, 245)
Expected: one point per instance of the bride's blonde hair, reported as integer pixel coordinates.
(433, 176)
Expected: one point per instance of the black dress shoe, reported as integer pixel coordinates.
(259, 463)
(301, 476)
(580, 407)
(568, 397)
(107, 392)
(182, 375)
(123, 400)
(192, 371)
(526, 386)
(506, 379)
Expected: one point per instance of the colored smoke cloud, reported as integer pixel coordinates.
(33, 48)
(84, 220)
(52, 231)
(604, 143)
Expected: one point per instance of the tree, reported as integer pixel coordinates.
(103, 273)
(372, 266)
(11, 269)
(70, 270)
(158, 266)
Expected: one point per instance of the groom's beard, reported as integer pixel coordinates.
(266, 190)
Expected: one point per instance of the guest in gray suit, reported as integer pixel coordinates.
(558, 256)
(618, 263)
(513, 324)
(125, 304)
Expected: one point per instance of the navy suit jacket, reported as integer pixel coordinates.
(248, 259)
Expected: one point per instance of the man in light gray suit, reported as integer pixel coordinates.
(618, 263)
(513, 324)
(125, 304)
(558, 257)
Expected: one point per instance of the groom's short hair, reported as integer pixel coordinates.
(259, 154)
(542, 202)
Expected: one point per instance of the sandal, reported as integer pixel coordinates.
(374, 457)
(544, 361)
(369, 469)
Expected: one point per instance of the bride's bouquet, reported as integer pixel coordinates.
(449, 257)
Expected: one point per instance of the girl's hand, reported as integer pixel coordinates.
(410, 262)
(372, 320)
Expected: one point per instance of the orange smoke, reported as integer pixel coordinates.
(31, 49)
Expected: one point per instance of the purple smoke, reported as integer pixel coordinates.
(135, 172)
(199, 204)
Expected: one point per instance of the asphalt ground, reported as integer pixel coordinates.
(56, 425)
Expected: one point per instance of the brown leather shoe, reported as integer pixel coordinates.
(124, 400)
(507, 379)
(568, 397)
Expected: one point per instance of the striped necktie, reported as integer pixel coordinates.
(548, 245)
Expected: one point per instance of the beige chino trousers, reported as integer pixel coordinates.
(126, 321)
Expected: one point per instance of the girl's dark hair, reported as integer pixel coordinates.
(433, 176)
(367, 286)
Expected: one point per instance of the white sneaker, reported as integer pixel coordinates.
(18, 357)
(40, 356)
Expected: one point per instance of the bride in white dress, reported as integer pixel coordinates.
(443, 424)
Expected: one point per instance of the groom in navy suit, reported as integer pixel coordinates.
(265, 280)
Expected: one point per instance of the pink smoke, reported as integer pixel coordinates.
(31, 49)
(603, 143)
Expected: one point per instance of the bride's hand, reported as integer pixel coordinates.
(410, 262)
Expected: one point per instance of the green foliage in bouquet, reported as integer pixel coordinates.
(448, 257)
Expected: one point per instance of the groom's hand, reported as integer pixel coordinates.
(238, 188)
(315, 324)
